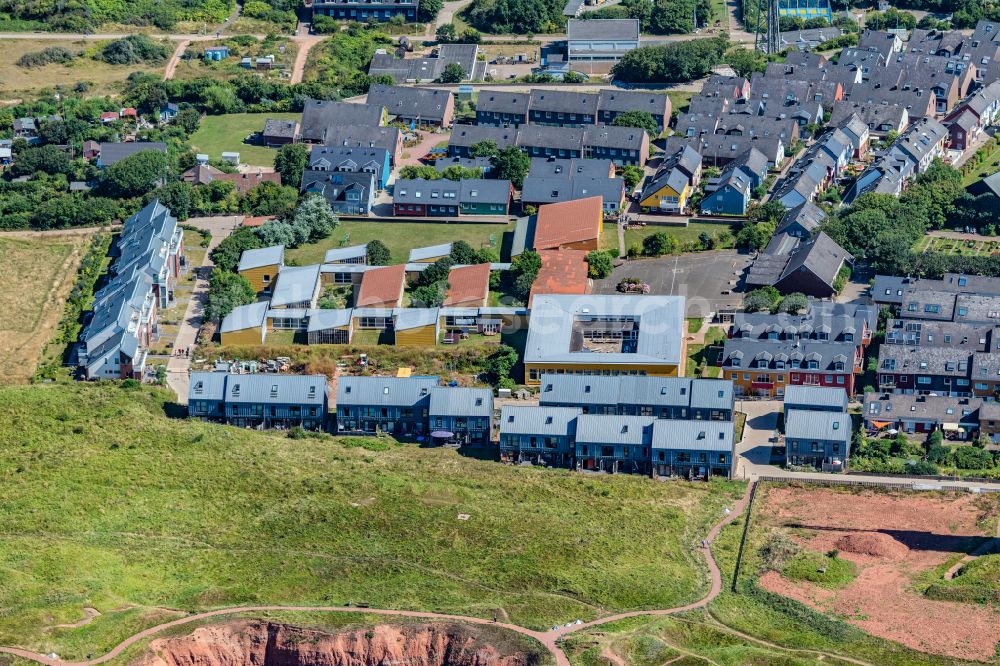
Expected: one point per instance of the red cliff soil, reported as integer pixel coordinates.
(259, 643)
(892, 538)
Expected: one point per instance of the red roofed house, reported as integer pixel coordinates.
(129, 112)
(109, 117)
(468, 286)
(381, 287)
(562, 272)
(569, 224)
(244, 182)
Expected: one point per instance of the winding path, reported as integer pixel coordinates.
(547, 638)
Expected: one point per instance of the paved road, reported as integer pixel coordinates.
(179, 367)
(546, 638)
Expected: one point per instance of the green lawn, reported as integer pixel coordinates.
(109, 503)
(688, 234)
(401, 237)
(218, 134)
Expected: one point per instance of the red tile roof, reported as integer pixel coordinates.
(247, 181)
(562, 272)
(568, 222)
(468, 283)
(380, 286)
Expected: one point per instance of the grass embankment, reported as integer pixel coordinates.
(36, 273)
(400, 237)
(218, 134)
(977, 582)
(103, 78)
(108, 503)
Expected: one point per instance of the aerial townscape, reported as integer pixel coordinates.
(499, 332)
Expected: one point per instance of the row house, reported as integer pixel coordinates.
(956, 417)
(414, 106)
(564, 436)
(817, 428)
(418, 197)
(320, 115)
(498, 108)
(622, 145)
(910, 155)
(880, 119)
(661, 397)
(718, 150)
(352, 160)
(970, 119)
(259, 400)
(147, 261)
(980, 50)
(738, 124)
(730, 193)
(364, 11)
(414, 407)
(553, 180)
(820, 167)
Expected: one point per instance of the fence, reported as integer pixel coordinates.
(916, 483)
(743, 538)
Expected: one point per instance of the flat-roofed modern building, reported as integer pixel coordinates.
(605, 335)
(259, 401)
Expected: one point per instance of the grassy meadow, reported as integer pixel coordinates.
(36, 273)
(400, 237)
(109, 503)
(218, 134)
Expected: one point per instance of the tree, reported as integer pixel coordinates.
(136, 174)
(677, 62)
(632, 175)
(574, 77)
(227, 291)
(446, 33)
(315, 217)
(755, 236)
(761, 300)
(378, 253)
(177, 196)
(638, 119)
(269, 198)
(457, 172)
(430, 295)
(659, 244)
(463, 253)
(485, 148)
(227, 254)
(524, 269)
(795, 303)
(411, 171)
(49, 159)
(599, 264)
(500, 364)
(512, 164)
(745, 62)
(453, 73)
(188, 120)
(428, 10)
(290, 162)
(772, 212)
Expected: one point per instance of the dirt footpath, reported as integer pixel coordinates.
(892, 538)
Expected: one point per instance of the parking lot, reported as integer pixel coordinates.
(701, 277)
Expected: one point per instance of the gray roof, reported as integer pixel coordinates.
(602, 29)
(817, 396)
(460, 401)
(896, 407)
(636, 390)
(280, 128)
(541, 421)
(546, 136)
(264, 256)
(425, 103)
(296, 284)
(470, 135)
(321, 117)
(820, 426)
(503, 101)
(808, 215)
(693, 435)
(321, 320)
(384, 391)
(429, 252)
(889, 289)
(207, 386)
(821, 256)
(483, 163)
(346, 158)
(112, 153)
(611, 136)
(550, 331)
(564, 101)
(363, 135)
(657, 104)
(554, 189)
(614, 429)
(425, 68)
(407, 318)
(672, 176)
(244, 317)
(569, 168)
(334, 185)
(336, 254)
(444, 191)
(276, 389)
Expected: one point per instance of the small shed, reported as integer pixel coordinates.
(231, 158)
(216, 53)
(201, 158)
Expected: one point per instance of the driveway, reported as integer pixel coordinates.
(179, 367)
(754, 450)
(701, 277)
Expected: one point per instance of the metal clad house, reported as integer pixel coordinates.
(462, 415)
(398, 406)
(817, 439)
(542, 435)
(259, 401)
(693, 449)
(660, 397)
(816, 399)
(611, 443)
